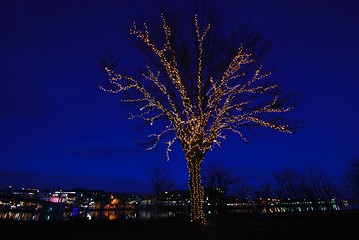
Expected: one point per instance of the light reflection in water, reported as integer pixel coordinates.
(125, 215)
(20, 216)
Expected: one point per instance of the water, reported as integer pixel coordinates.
(106, 215)
(145, 214)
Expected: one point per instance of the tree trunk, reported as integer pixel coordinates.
(197, 215)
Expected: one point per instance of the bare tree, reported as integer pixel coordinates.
(242, 190)
(315, 184)
(161, 181)
(264, 190)
(217, 179)
(216, 175)
(351, 177)
(287, 184)
(200, 84)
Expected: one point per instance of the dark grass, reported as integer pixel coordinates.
(323, 225)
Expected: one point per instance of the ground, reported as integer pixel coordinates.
(323, 225)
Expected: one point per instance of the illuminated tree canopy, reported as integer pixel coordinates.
(200, 89)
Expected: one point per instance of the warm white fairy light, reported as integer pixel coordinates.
(199, 125)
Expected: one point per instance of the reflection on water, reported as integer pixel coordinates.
(111, 215)
(20, 216)
(126, 215)
(108, 215)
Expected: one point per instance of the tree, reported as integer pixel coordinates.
(264, 190)
(218, 180)
(200, 84)
(218, 176)
(161, 181)
(287, 184)
(242, 190)
(315, 185)
(351, 177)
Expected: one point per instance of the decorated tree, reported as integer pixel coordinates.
(199, 85)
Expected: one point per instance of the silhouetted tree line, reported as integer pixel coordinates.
(288, 183)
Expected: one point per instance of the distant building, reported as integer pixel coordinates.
(69, 198)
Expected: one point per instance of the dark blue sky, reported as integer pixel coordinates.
(58, 129)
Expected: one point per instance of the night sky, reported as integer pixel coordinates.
(57, 129)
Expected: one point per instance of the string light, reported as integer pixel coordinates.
(227, 105)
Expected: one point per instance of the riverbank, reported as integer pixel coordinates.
(318, 225)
